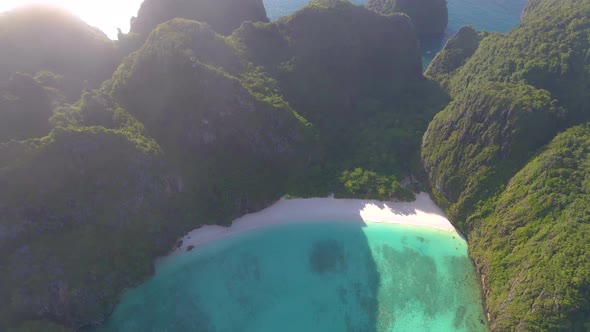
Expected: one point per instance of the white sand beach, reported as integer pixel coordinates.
(421, 212)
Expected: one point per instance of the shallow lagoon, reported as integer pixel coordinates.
(325, 276)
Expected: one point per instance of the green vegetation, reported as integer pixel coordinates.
(194, 128)
(208, 122)
(25, 108)
(532, 242)
(35, 38)
(456, 52)
(361, 183)
(62, 197)
(548, 51)
(480, 140)
(521, 203)
(363, 90)
(224, 16)
(431, 17)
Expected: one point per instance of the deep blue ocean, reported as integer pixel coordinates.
(488, 15)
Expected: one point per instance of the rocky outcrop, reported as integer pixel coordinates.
(25, 108)
(481, 139)
(179, 87)
(77, 196)
(355, 61)
(528, 289)
(37, 38)
(456, 52)
(430, 17)
(195, 128)
(224, 16)
(511, 193)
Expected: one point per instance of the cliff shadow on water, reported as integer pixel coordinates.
(298, 277)
(327, 275)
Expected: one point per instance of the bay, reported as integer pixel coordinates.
(321, 276)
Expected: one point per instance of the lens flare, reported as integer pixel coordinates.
(107, 15)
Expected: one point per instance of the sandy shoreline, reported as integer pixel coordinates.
(421, 212)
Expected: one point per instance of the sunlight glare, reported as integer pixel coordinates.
(107, 15)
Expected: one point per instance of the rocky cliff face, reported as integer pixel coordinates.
(178, 78)
(195, 127)
(547, 51)
(430, 17)
(488, 161)
(36, 39)
(531, 242)
(376, 57)
(70, 202)
(479, 141)
(346, 78)
(25, 108)
(456, 52)
(224, 16)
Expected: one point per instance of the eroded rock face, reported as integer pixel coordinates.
(193, 127)
(482, 138)
(76, 196)
(198, 111)
(489, 164)
(224, 16)
(430, 17)
(25, 108)
(38, 38)
(456, 52)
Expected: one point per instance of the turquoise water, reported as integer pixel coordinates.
(325, 277)
(488, 15)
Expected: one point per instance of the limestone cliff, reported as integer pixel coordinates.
(430, 17)
(224, 16)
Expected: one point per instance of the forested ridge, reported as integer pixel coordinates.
(430, 17)
(508, 159)
(196, 125)
(206, 111)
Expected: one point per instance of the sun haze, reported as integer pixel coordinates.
(107, 15)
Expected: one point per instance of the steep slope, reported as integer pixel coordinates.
(456, 52)
(196, 128)
(25, 108)
(354, 74)
(547, 51)
(430, 17)
(479, 141)
(333, 63)
(69, 204)
(221, 153)
(206, 119)
(38, 38)
(532, 242)
(520, 209)
(224, 16)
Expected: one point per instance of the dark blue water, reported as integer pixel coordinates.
(488, 15)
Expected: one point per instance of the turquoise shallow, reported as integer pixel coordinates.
(325, 276)
(487, 15)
